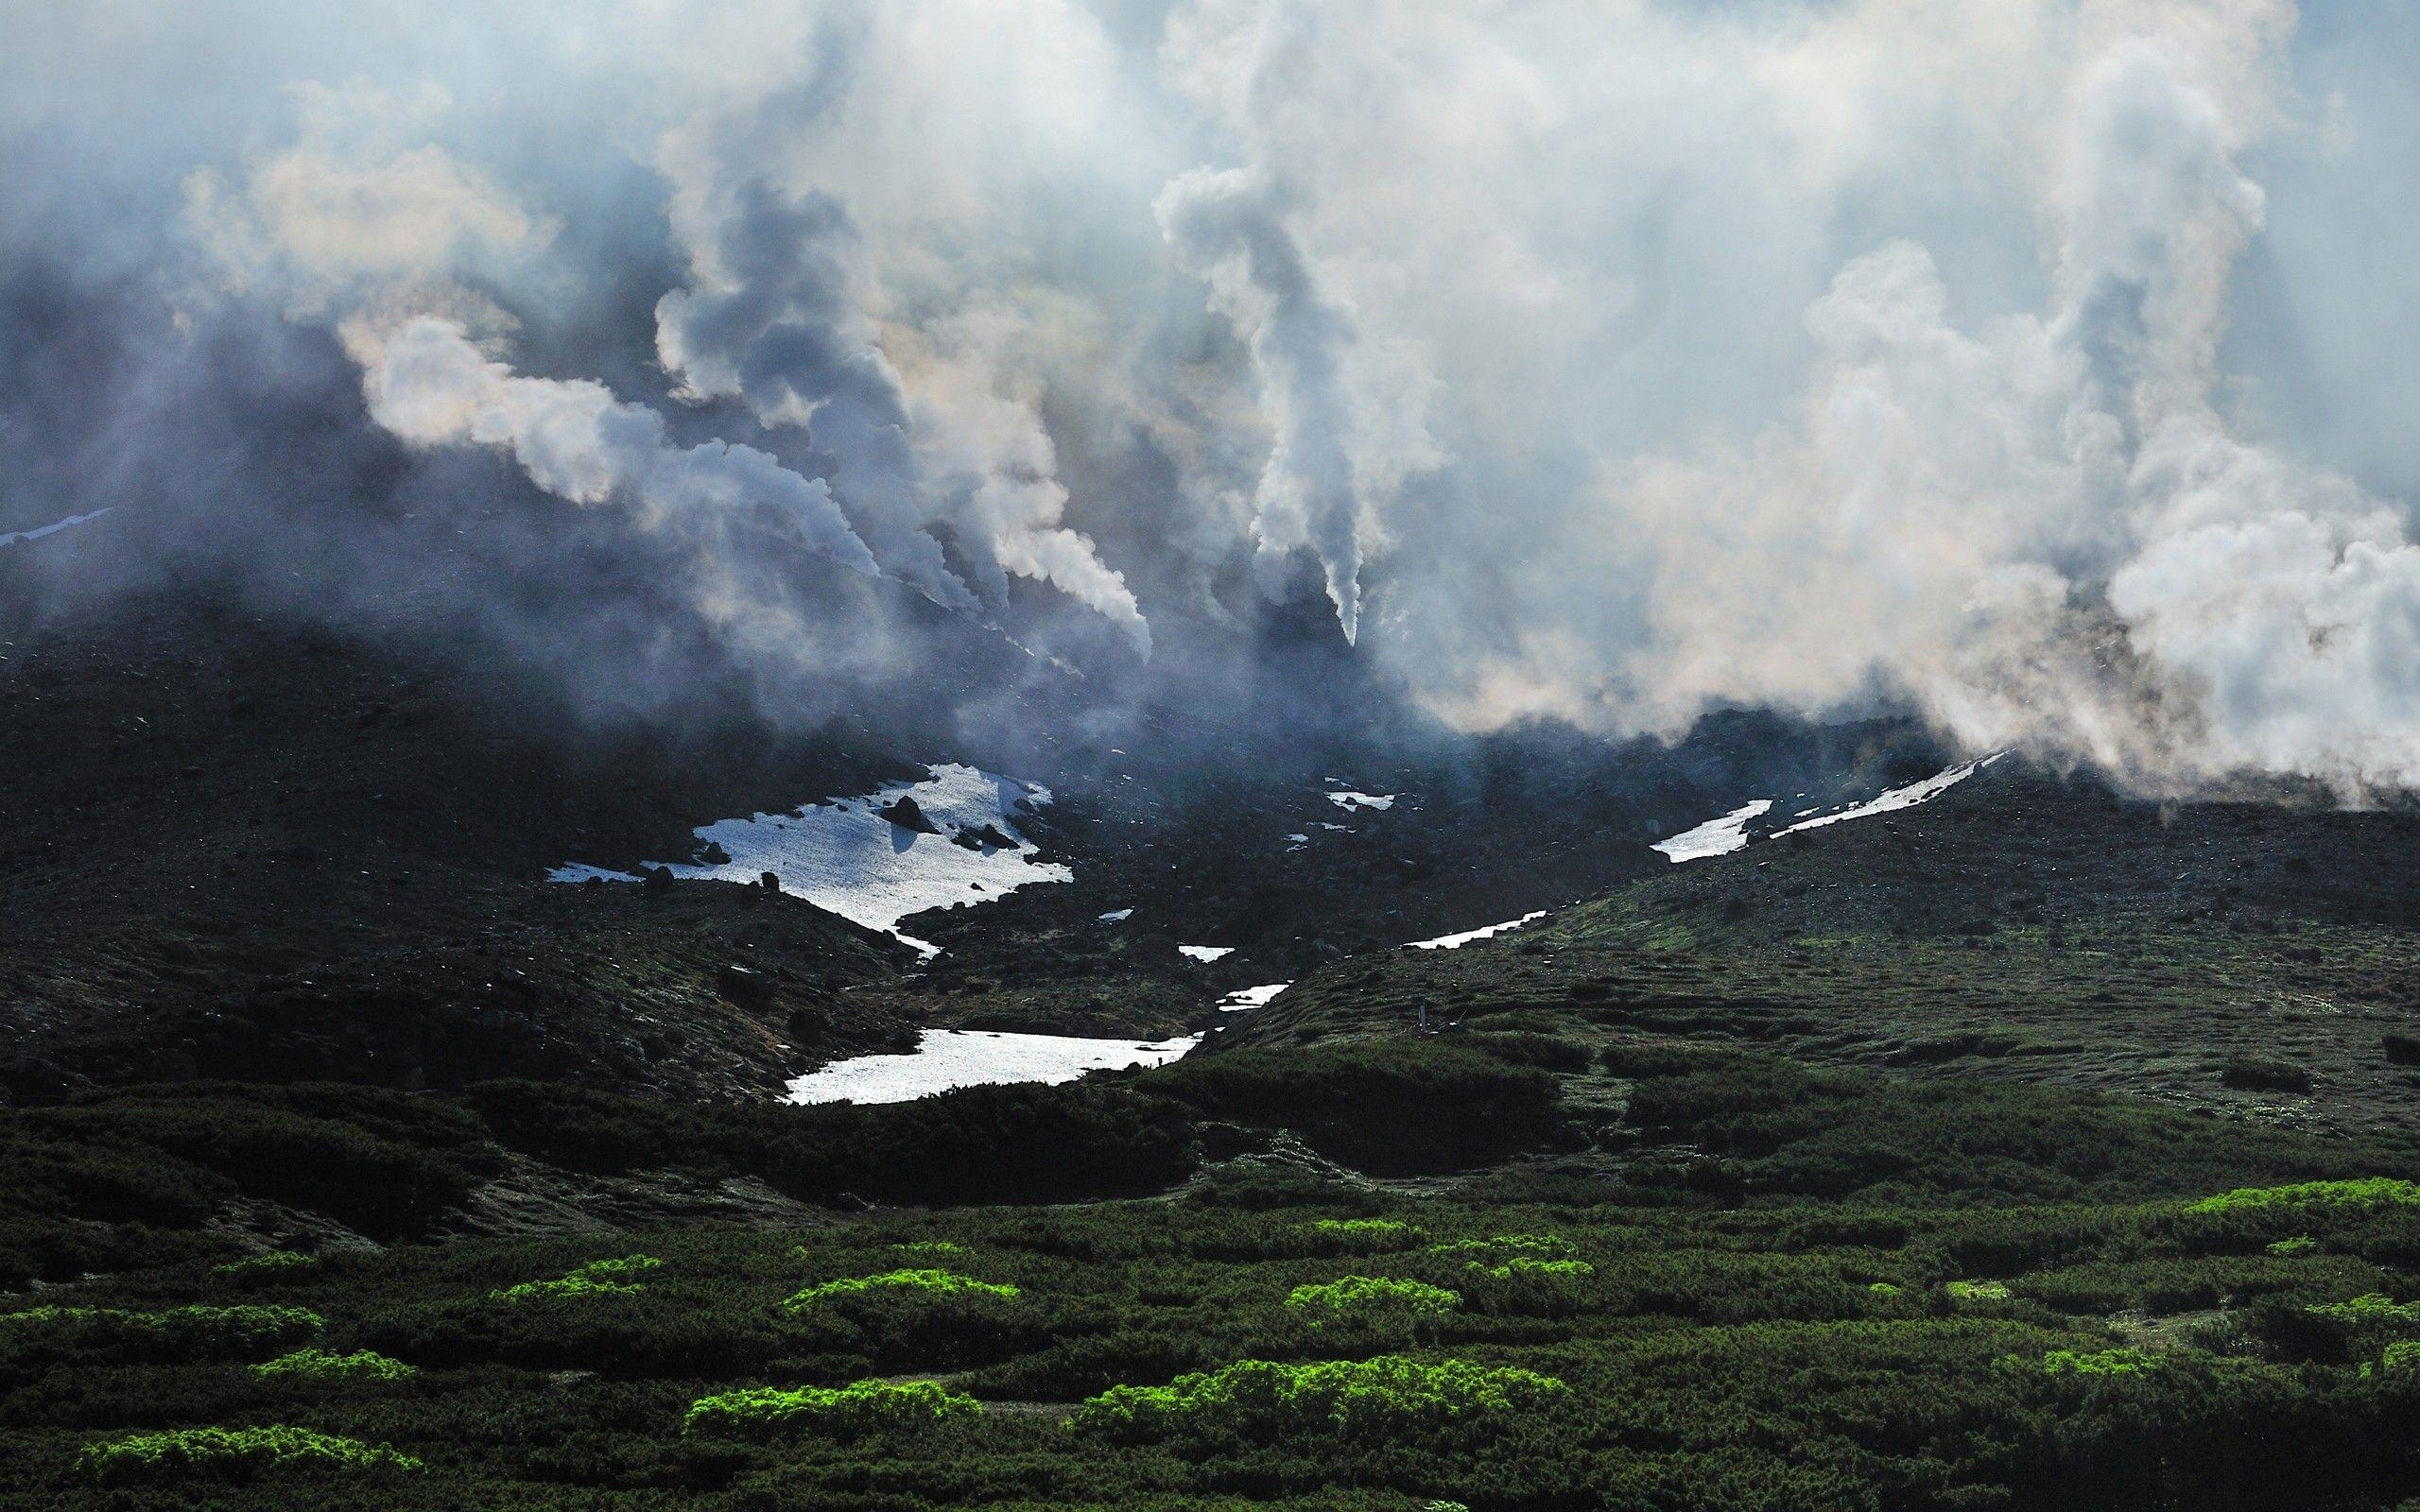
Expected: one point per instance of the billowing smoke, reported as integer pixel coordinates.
(2017, 362)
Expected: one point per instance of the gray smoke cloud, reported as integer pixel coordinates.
(2017, 362)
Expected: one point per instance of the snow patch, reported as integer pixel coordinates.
(1715, 837)
(1455, 942)
(844, 857)
(947, 1059)
(1251, 997)
(12, 537)
(1206, 953)
(1898, 797)
(1117, 916)
(1363, 800)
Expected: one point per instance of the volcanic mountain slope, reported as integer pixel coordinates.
(239, 847)
(2246, 958)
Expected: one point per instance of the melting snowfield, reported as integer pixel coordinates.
(945, 1058)
(11, 537)
(1455, 942)
(1251, 997)
(844, 856)
(1205, 953)
(1715, 837)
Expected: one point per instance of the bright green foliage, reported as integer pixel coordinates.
(1978, 1291)
(937, 1282)
(867, 1407)
(598, 1278)
(2120, 1362)
(2368, 1308)
(1883, 1289)
(319, 1365)
(2402, 1356)
(1528, 1267)
(932, 1247)
(1508, 1245)
(235, 1451)
(1389, 1394)
(1366, 1234)
(1364, 1295)
(2369, 1191)
(179, 1332)
(275, 1262)
(2299, 1245)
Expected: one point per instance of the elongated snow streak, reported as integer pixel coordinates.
(1455, 942)
(947, 1059)
(1898, 797)
(53, 528)
(1715, 837)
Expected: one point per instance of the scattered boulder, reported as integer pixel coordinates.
(744, 984)
(904, 812)
(991, 836)
(771, 882)
(656, 879)
(713, 854)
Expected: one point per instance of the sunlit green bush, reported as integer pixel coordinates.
(319, 1365)
(866, 1407)
(598, 1278)
(936, 1283)
(234, 1454)
(1528, 1267)
(176, 1334)
(1387, 1394)
(2368, 1191)
(1371, 1296)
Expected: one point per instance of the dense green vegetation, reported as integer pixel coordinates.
(1716, 1281)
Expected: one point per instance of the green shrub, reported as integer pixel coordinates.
(177, 1333)
(936, 1283)
(1373, 1295)
(2367, 1191)
(1392, 1108)
(2264, 1074)
(234, 1454)
(1528, 1267)
(2403, 1355)
(2371, 1309)
(1978, 1292)
(318, 1365)
(866, 1407)
(1507, 1245)
(2299, 1245)
(274, 1262)
(598, 1278)
(932, 1247)
(1361, 1236)
(1389, 1394)
(2120, 1362)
